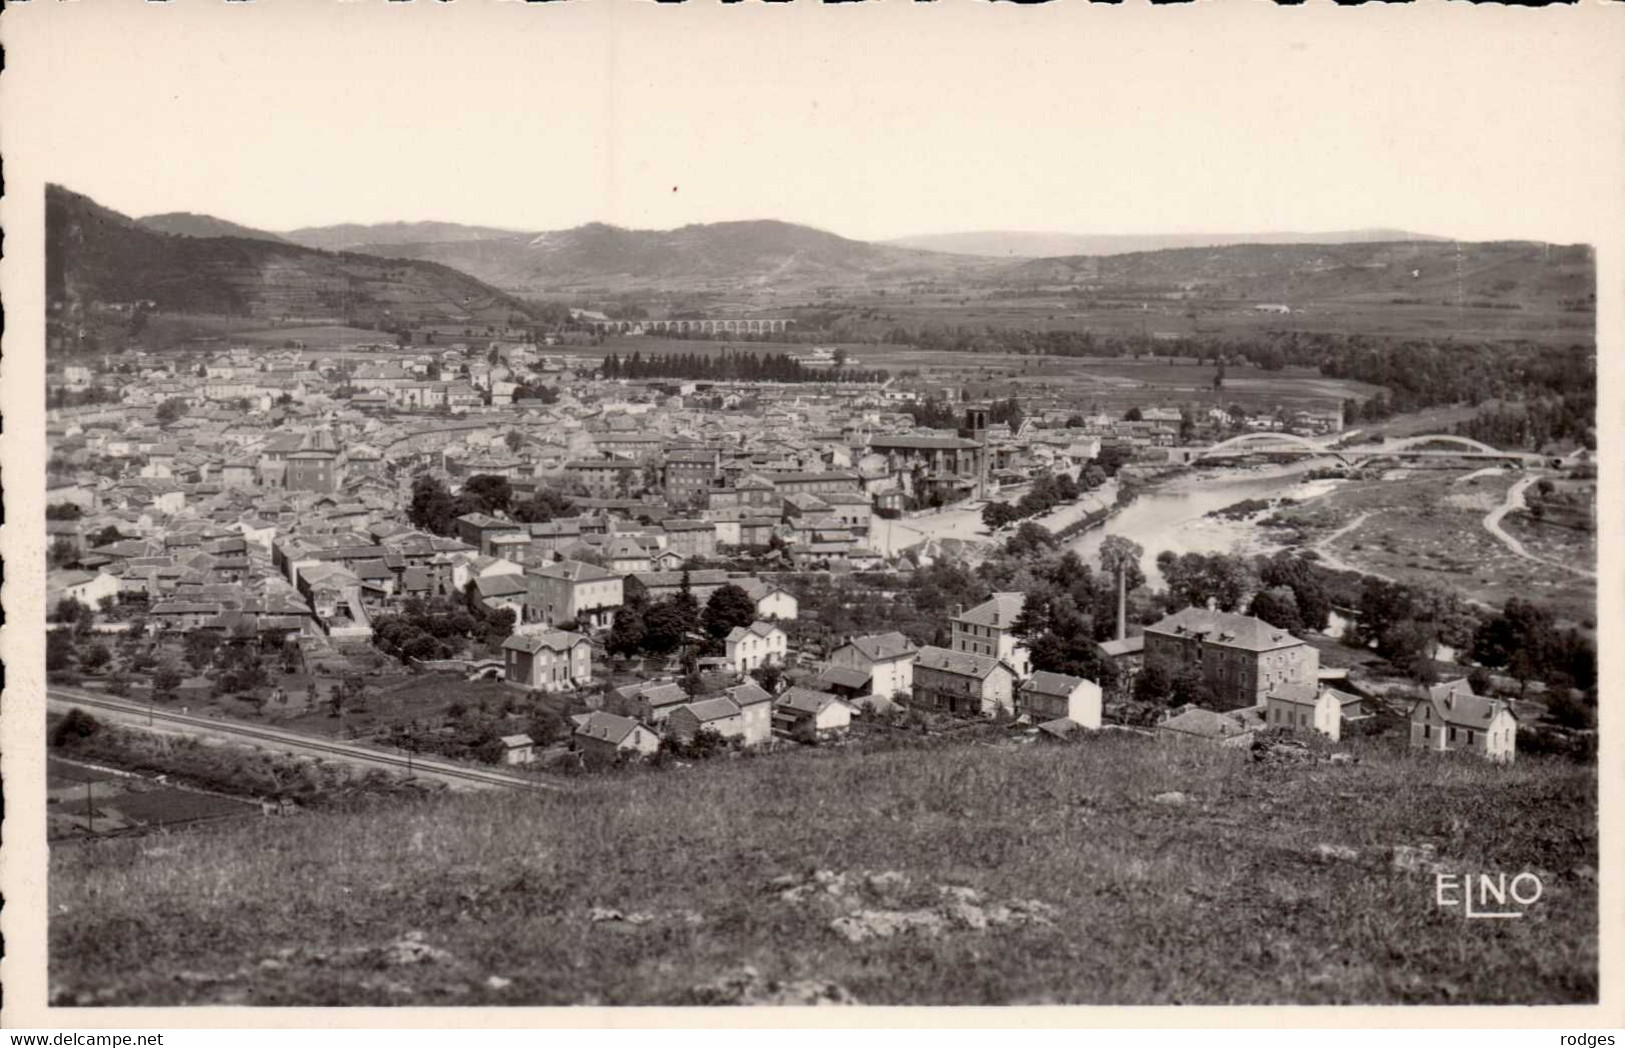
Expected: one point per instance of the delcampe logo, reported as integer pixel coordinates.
(1485, 896)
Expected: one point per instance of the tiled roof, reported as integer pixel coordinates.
(1043, 682)
(1222, 627)
(999, 611)
(805, 700)
(1454, 703)
(606, 727)
(843, 677)
(963, 663)
(718, 708)
(882, 647)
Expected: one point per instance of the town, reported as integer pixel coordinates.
(814, 630)
(289, 536)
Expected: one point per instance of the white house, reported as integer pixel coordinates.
(609, 735)
(83, 587)
(1047, 696)
(988, 629)
(808, 715)
(886, 658)
(756, 645)
(518, 749)
(772, 600)
(1453, 718)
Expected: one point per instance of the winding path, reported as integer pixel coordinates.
(1515, 500)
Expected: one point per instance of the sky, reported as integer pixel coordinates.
(871, 120)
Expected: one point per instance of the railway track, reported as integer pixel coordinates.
(65, 697)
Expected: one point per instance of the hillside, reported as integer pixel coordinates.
(96, 255)
(1027, 244)
(1513, 274)
(352, 236)
(187, 224)
(1112, 870)
(726, 254)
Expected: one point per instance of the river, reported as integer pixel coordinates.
(1173, 515)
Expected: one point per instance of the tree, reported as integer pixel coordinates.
(70, 609)
(75, 726)
(514, 439)
(484, 493)
(728, 607)
(59, 650)
(664, 625)
(626, 632)
(1190, 687)
(1030, 540)
(997, 514)
(546, 726)
(769, 677)
(63, 551)
(1277, 606)
(94, 657)
(105, 537)
(170, 410)
(165, 680)
(1152, 685)
(686, 603)
(1133, 415)
(432, 507)
(200, 648)
(1120, 558)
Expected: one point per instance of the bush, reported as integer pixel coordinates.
(75, 726)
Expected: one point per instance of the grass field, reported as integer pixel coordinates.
(1109, 381)
(1427, 527)
(1117, 870)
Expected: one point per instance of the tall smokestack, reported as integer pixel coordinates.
(1122, 601)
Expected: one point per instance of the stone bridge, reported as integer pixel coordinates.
(1425, 446)
(736, 325)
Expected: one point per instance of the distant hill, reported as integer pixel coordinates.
(1513, 274)
(1016, 244)
(96, 255)
(352, 236)
(186, 224)
(752, 253)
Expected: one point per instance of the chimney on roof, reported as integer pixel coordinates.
(959, 609)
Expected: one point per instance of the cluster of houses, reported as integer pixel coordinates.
(1259, 677)
(286, 520)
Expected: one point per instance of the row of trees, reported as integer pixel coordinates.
(435, 509)
(645, 627)
(1417, 373)
(729, 366)
(1046, 493)
(440, 627)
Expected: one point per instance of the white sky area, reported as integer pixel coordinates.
(871, 120)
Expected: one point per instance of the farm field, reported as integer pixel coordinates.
(85, 801)
(1139, 872)
(1107, 378)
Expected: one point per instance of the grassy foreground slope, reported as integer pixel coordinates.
(1086, 883)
